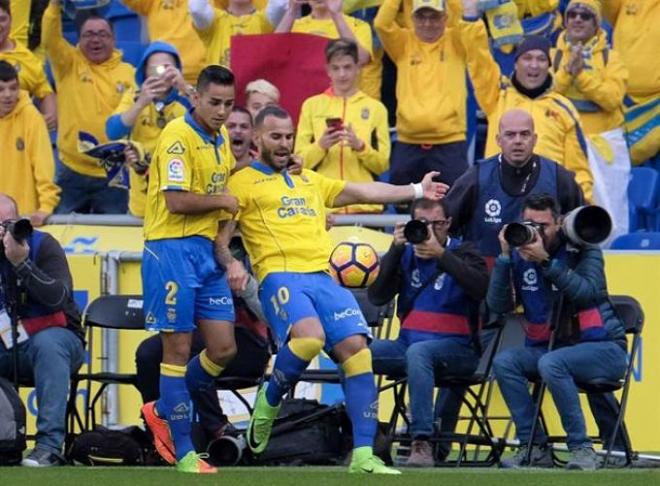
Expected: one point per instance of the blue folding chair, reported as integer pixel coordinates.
(642, 198)
(637, 241)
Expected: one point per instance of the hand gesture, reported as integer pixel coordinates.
(433, 190)
(38, 218)
(470, 8)
(430, 248)
(575, 63)
(296, 165)
(132, 156)
(398, 238)
(15, 252)
(237, 276)
(173, 77)
(351, 139)
(153, 88)
(228, 202)
(330, 138)
(534, 251)
(334, 6)
(504, 245)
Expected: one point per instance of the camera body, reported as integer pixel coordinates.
(20, 229)
(519, 234)
(416, 231)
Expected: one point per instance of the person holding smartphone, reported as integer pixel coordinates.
(342, 132)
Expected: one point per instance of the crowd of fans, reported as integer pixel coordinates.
(583, 69)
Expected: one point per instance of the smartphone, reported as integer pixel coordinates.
(334, 124)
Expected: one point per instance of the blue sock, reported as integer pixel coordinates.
(361, 406)
(200, 373)
(288, 368)
(174, 406)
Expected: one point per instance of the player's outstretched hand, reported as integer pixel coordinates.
(229, 203)
(433, 190)
(237, 276)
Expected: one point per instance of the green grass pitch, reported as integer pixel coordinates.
(321, 476)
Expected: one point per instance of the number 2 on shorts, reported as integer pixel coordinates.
(172, 289)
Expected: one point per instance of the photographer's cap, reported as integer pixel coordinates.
(437, 5)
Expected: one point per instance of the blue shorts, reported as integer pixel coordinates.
(182, 284)
(288, 297)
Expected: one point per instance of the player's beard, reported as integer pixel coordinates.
(268, 157)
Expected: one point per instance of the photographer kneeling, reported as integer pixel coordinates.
(589, 339)
(440, 281)
(37, 293)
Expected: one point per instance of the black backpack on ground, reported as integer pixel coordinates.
(306, 432)
(105, 447)
(12, 425)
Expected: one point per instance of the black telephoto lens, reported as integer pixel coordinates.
(416, 231)
(518, 234)
(20, 230)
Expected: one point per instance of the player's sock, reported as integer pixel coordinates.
(174, 406)
(201, 372)
(291, 361)
(361, 402)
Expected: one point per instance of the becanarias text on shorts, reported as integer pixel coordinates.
(292, 206)
(348, 312)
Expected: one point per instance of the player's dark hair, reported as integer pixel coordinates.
(428, 204)
(214, 74)
(341, 47)
(240, 109)
(542, 202)
(6, 6)
(270, 110)
(7, 72)
(83, 16)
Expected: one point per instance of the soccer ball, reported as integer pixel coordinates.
(354, 265)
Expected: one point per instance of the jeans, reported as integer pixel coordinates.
(409, 162)
(422, 363)
(48, 359)
(560, 369)
(250, 362)
(85, 194)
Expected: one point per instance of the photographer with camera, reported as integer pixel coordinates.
(37, 297)
(558, 278)
(440, 281)
(491, 193)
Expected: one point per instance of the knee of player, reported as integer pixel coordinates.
(222, 353)
(307, 347)
(550, 367)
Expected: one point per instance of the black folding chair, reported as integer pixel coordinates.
(476, 401)
(632, 316)
(112, 312)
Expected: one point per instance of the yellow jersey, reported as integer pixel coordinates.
(282, 218)
(327, 28)
(217, 37)
(186, 158)
(20, 21)
(31, 74)
(146, 130)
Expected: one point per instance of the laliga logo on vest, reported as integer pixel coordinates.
(439, 282)
(415, 280)
(530, 279)
(493, 210)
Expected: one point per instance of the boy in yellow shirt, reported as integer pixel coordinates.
(28, 167)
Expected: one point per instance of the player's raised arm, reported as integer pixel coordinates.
(383, 193)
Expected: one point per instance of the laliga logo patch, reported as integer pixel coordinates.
(493, 208)
(175, 171)
(415, 281)
(530, 277)
(439, 282)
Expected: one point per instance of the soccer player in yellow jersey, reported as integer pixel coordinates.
(282, 222)
(183, 285)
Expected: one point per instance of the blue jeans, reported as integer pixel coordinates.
(85, 194)
(560, 369)
(422, 363)
(48, 359)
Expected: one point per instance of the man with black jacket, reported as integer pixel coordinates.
(440, 282)
(37, 290)
(490, 194)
